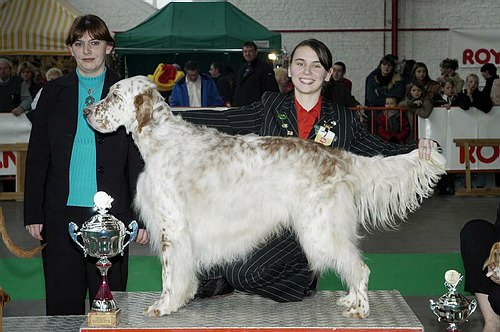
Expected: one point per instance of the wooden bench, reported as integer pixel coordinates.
(466, 143)
(20, 150)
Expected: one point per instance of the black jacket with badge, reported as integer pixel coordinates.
(275, 115)
(49, 153)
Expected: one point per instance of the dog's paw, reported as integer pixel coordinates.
(159, 308)
(356, 303)
(347, 301)
(357, 312)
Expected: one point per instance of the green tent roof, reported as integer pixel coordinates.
(196, 26)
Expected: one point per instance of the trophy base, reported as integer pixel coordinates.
(103, 318)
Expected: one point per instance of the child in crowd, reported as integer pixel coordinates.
(446, 97)
(472, 97)
(449, 69)
(416, 103)
(420, 74)
(50, 75)
(392, 125)
(284, 83)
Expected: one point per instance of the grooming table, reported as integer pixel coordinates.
(240, 312)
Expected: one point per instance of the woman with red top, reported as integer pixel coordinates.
(278, 268)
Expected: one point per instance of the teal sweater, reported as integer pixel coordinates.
(82, 169)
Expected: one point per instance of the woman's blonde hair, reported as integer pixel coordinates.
(445, 80)
(280, 72)
(476, 78)
(53, 73)
(25, 66)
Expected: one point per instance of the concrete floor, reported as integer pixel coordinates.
(434, 228)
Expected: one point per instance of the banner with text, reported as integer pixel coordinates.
(13, 129)
(475, 47)
(444, 125)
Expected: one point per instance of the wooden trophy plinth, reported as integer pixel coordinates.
(103, 318)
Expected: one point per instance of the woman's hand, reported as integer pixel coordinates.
(494, 275)
(35, 231)
(425, 146)
(17, 111)
(142, 236)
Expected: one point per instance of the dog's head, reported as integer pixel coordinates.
(129, 103)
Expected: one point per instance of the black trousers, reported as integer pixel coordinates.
(68, 274)
(277, 270)
(476, 239)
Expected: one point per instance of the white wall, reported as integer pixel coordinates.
(361, 51)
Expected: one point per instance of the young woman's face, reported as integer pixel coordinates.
(415, 92)
(448, 89)
(472, 84)
(307, 72)
(386, 69)
(446, 72)
(421, 73)
(90, 54)
(27, 75)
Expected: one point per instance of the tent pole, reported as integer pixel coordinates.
(125, 65)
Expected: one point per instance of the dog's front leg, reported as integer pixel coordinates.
(179, 280)
(356, 300)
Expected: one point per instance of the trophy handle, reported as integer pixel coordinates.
(472, 306)
(433, 306)
(73, 233)
(134, 227)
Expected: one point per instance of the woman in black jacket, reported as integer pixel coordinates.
(476, 240)
(68, 162)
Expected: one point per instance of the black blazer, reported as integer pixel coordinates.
(481, 101)
(49, 153)
(275, 115)
(250, 87)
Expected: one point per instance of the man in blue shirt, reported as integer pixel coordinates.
(195, 89)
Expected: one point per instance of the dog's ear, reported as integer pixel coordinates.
(144, 109)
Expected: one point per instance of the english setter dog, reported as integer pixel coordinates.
(209, 198)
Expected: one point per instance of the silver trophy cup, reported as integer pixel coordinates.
(453, 308)
(103, 237)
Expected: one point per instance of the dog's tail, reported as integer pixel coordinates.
(393, 186)
(10, 244)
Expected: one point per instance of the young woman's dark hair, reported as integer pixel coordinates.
(420, 65)
(321, 50)
(490, 68)
(388, 59)
(416, 84)
(92, 24)
(449, 63)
